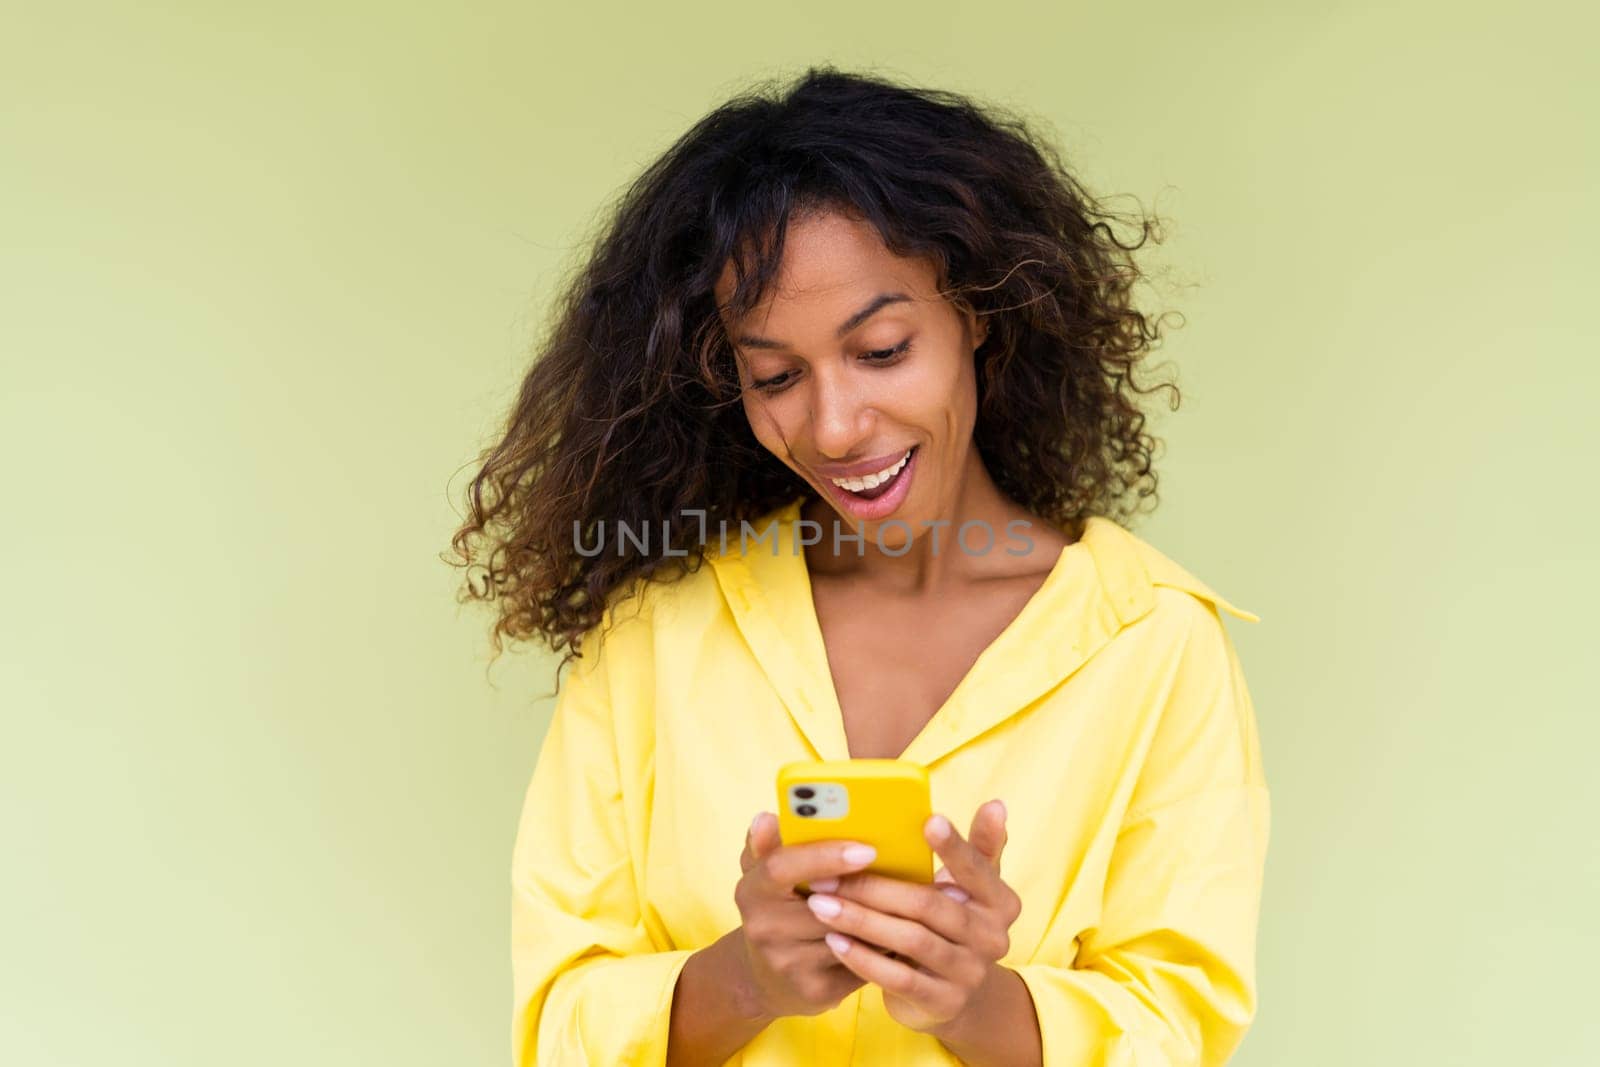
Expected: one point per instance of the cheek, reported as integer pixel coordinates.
(954, 404)
(966, 398)
(944, 396)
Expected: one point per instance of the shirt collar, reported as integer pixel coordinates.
(1100, 583)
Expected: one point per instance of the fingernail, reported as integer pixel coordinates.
(824, 885)
(1002, 806)
(939, 827)
(859, 855)
(954, 892)
(837, 941)
(823, 907)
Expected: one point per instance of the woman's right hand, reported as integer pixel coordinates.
(791, 969)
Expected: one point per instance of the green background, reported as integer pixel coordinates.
(270, 277)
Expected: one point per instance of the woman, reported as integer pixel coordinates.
(825, 458)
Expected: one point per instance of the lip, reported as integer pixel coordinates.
(879, 507)
(862, 469)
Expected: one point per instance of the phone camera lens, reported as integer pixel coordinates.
(805, 792)
(807, 809)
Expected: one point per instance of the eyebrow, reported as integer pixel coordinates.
(876, 304)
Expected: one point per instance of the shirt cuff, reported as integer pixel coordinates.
(614, 1009)
(1080, 1023)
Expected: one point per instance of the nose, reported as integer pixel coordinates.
(841, 417)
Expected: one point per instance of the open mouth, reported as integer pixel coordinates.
(871, 499)
(866, 492)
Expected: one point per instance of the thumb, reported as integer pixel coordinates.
(988, 833)
(764, 835)
(757, 840)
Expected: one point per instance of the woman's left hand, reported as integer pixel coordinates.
(949, 936)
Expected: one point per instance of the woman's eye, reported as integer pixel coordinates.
(885, 354)
(882, 355)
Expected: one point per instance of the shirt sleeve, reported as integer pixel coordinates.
(591, 985)
(1167, 976)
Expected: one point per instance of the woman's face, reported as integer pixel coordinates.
(853, 360)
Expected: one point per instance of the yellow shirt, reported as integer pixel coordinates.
(1111, 716)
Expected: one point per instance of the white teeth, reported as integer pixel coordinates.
(871, 481)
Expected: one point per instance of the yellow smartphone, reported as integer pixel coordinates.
(880, 802)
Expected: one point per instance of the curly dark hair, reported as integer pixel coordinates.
(630, 412)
